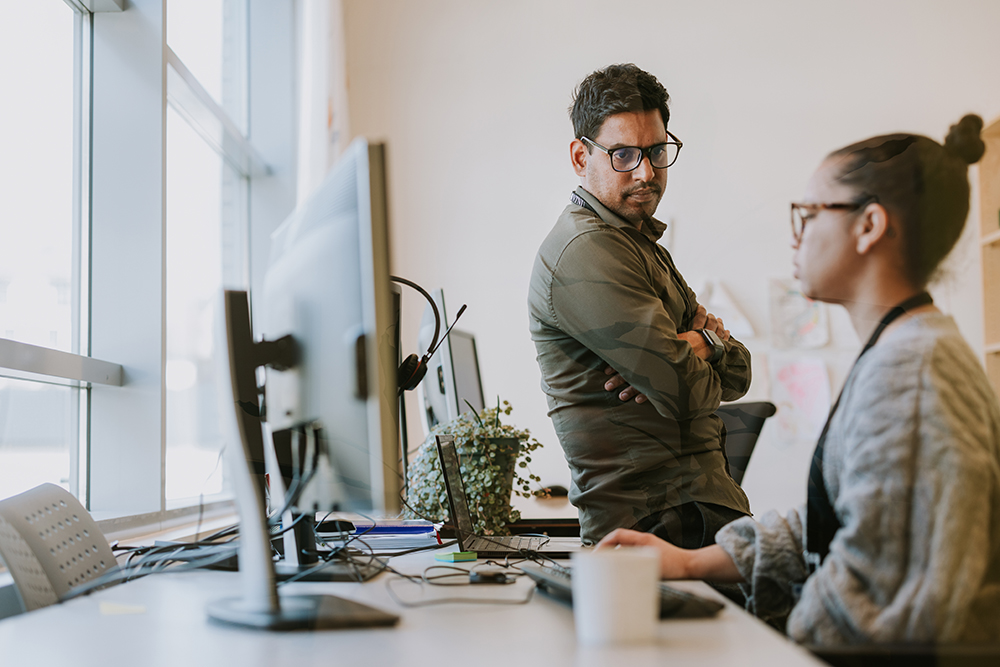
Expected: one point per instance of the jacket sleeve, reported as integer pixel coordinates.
(734, 367)
(602, 295)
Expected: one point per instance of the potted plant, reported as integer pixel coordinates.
(495, 458)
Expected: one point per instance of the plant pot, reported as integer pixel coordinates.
(489, 470)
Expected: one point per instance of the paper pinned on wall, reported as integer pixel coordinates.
(800, 387)
(796, 321)
(720, 303)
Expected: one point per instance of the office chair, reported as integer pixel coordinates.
(50, 545)
(909, 655)
(744, 422)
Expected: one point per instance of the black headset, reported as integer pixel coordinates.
(414, 368)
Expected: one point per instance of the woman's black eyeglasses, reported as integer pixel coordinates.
(628, 158)
(803, 213)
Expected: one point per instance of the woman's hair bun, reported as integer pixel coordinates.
(963, 139)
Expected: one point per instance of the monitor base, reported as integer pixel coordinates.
(301, 612)
(338, 570)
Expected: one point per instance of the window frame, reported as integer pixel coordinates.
(38, 364)
(126, 77)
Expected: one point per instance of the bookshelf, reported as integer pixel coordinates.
(989, 240)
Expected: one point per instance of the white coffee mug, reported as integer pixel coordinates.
(616, 595)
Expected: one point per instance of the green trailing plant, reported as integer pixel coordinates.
(494, 463)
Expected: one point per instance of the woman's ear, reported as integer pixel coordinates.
(872, 227)
(578, 156)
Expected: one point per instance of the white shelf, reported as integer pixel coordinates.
(990, 238)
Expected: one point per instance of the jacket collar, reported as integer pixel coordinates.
(652, 229)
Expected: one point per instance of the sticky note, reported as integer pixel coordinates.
(456, 556)
(117, 609)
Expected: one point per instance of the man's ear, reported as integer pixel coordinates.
(578, 156)
(872, 227)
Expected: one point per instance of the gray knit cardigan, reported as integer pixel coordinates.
(912, 466)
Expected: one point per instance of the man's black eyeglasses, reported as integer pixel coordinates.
(628, 158)
(803, 213)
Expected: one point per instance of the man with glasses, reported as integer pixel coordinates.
(613, 320)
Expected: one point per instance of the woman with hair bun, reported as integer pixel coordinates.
(900, 537)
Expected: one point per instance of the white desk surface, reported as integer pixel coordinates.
(168, 626)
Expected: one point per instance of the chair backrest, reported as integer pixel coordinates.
(50, 545)
(909, 655)
(744, 422)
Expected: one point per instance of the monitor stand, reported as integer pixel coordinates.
(303, 564)
(260, 606)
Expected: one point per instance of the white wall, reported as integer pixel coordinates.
(472, 98)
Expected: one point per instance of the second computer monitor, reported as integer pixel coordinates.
(453, 381)
(465, 366)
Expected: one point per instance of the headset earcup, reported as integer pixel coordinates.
(411, 372)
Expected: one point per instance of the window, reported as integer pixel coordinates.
(207, 185)
(194, 279)
(123, 214)
(40, 248)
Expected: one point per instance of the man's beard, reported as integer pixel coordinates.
(642, 216)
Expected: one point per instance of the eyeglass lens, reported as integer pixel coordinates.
(627, 158)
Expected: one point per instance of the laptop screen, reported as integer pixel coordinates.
(454, 485)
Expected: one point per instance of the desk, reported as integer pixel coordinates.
(173, 631)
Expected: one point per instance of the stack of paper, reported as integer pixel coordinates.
(394, 534)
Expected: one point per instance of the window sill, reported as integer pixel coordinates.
(178, 523)
(182, 525)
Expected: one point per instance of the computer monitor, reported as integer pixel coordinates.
(452, 372)
(465, 366)
(432, 395)
(394, 337)
(282, 438)
(325, 315)
(328, 286)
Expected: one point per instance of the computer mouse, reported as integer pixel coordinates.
(557, 491)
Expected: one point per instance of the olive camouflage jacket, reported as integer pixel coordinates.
(603, 293)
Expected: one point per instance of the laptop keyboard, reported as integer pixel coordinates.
(508, 543)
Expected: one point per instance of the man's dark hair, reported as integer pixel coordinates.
(613, 90)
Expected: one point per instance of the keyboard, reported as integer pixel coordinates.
(556, 582)
(513, 543)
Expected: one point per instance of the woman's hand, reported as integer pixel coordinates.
(673, 560)
(709, 563)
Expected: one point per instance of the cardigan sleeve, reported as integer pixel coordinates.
(768, 553)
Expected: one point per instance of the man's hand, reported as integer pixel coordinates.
(706, 320)
(703, 320)
(626, 394)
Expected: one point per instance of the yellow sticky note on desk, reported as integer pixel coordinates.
(118, 609)
(456, 556)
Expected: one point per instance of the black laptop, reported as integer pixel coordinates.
(484, 546)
